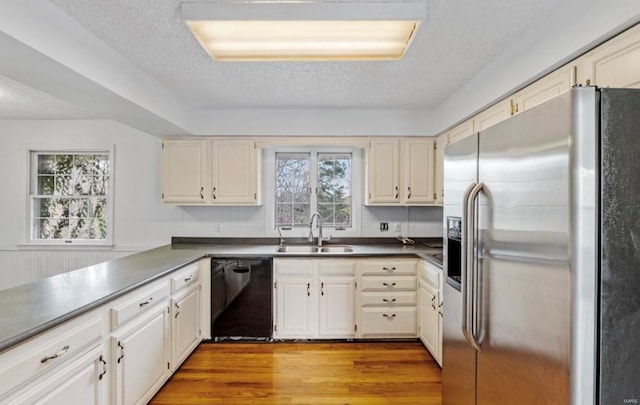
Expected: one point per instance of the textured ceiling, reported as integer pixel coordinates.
(135, 61)
(18, 101)
(458, 39)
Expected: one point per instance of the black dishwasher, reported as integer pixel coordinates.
(241, 299)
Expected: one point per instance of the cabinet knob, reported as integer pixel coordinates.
(213, 193)
(388, 285)
(391, 300)
(308, 289)
(397, 192)
(409, 192)
(202, 193)
(389, 316)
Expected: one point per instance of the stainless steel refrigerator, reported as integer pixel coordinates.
(542, 256)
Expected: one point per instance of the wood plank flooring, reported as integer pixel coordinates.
(305, 373)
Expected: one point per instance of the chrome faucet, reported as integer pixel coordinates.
(320, 238)
(281, 238)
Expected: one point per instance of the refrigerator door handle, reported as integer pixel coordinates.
(464, 260)
(472, 270)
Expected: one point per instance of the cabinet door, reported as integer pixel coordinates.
(185, 325)
(233, 172)
(383, 173)
(461, 131)
(438, 171)
(295, 311)
(418, 171)
(337, 307)
(492, 115)
(613, 64)
(545, 88)
(140, 354)
(184, 171)
(429, 320)
(83, 382)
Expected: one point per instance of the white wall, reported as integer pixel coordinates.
(141, 220)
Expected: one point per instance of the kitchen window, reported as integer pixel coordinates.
(70, 197)
(311, 181)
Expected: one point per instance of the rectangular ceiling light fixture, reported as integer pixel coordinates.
(284, 31)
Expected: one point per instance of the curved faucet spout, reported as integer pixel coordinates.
(314, 215)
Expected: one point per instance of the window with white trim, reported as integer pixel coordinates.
(70, 196)
(307, 182)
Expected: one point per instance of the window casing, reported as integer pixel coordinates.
(304, 180)
(70, 197)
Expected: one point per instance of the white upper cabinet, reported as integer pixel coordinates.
(210, 171)
(383, 171)
(233, 172)
(400, 171)
(460, 131)
(438, 175)
(613, 64)
(184, 171)
(418, 168)
(545, 88)
(493, 115)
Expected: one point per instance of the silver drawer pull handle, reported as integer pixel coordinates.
(389, 316)
(56, 355)
(389, 268)
(186, 280)
(388, 285)
(386, 300)
(142, 304)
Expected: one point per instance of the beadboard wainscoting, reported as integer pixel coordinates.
(24, 266)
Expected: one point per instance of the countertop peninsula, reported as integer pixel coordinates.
(30, 309)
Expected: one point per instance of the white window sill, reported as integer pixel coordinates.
(66, 246)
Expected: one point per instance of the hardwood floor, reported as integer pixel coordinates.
(305, 373)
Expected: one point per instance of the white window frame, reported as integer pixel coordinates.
(30, 242)
(357, 179)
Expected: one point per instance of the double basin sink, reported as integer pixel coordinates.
(314, 249)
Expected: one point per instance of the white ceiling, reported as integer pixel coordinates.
(109, 55)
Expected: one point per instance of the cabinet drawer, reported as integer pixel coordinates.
(395, 298)
(142, 302)
(388, 267)
(294, 267)
(336, 267)
(400, 321)
(388, 283)
(47, 352)
(185, 277)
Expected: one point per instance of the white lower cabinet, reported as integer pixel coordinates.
(65, 365)
(387, 299)
(81, 382)
(185, 325)
(430, 309)
(314, 299)
(140, 355)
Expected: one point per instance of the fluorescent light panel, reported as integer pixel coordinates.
(286, 40)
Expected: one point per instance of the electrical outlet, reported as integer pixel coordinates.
(396, 228)
(384, 226)
(217, 228)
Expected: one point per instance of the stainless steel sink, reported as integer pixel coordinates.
(297, 249)
(314, 249)
(336, 249)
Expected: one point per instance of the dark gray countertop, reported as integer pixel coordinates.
(31, 309)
